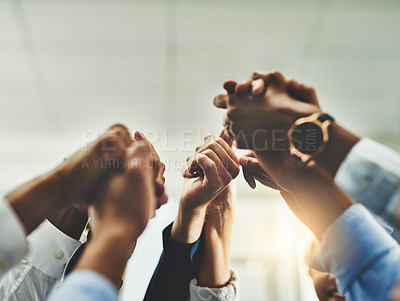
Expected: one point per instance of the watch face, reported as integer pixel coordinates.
(307, 138)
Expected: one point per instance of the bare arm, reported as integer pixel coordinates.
(214, 265)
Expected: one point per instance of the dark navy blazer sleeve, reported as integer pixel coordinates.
(175, 269)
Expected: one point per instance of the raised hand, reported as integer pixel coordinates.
(122, 210)
(76, 180)
(275, 104)
(210, 171)
(218, 165)
(259, 114)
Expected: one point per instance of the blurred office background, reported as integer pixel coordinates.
(69, 69)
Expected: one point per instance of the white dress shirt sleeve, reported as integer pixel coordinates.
(50, 249)
(13, 245)
(229, 292)
(34, 277)
(370, 175)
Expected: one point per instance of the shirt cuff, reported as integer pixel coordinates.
(178, 249)
(350, 244)
(13, 244)
(82, 285)
(50, 249)
(370, 175)
(229, 292)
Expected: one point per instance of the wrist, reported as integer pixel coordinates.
(218, 241)
(219, 215)
(339, 145)
(70, 221)
(108, 253)
(214, 267)
(188, 225)
(35, 200)
(111, 229)
(320, 200)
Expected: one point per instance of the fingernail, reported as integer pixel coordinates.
(230, 86)
(139, 135)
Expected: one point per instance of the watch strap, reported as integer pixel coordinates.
(324, 117)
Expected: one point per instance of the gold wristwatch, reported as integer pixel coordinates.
(308, 136)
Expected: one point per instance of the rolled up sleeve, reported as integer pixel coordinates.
(370, 175)
(360, 254)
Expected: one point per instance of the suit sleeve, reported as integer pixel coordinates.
(175, 269)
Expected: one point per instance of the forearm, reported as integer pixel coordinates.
(341, 141)
(188, 225)
(35, 200)
(214, 266)
(321, 202)
(108, 253)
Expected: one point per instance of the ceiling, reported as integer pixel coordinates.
(69, 69)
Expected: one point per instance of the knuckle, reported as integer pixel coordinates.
(213, 145)
(201, 158)
(311, 90)
(209, 138)
(256, 75)
(208, 152)
(219, 140)
(144, 145)
(161, 169)
(120, 133)
(277, 75)
(226, 179)
(259, 75)
(274, 78)
(118, 127)
(235, 170)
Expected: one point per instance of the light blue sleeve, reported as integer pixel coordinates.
(370, 175)
(85, 285)
(361, 255)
